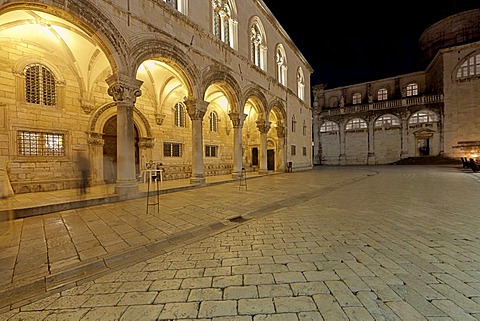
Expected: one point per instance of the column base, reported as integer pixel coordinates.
(371, 159)
(197, 180)
(126, 189)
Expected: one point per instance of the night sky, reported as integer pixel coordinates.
(349, 42)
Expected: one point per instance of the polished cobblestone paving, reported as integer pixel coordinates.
(353, 243)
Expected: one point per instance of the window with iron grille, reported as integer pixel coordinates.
(40, 144)
(211, 151)
(293, 150)
(39, 85)
(172, 149)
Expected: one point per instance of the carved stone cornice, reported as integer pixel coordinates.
(123, 88)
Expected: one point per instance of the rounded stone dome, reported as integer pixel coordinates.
(460, 28)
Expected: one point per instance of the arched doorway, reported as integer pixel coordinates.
(110, 151)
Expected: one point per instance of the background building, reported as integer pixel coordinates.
(435, 112)
(202, 87)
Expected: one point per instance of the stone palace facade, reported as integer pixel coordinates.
(201, 87)
(435, 112)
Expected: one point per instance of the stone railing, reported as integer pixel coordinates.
(382, 105)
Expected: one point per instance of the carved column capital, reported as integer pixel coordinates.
(237, 118)
(263, 126)
(95, 139)
(196, 108)
(123, 88)
(146, 142)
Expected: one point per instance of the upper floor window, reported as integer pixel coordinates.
(382, 94)
(281, 60)
(469, 67)
(387, 121)
(304, 128)
(329, 126)
(412, 89)
(356, 123)
(294, 124)
(224, 26)
(40, 85)
(258, 46)
(180, 115)
(180, 5)
(213, 121)
(357, 98)
(423, 116)
(300, 84)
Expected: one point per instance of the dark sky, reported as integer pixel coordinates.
(348, 42)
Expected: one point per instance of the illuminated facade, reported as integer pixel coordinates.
(435, 112)
(202, 87)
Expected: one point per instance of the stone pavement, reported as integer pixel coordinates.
(335, 243)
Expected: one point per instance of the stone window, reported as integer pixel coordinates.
(180, 115)
(356, 123)
(258, 48)
(470, 67)
(213, 122)
(412, 89)
(223, 22)
(172, 149)
(211, 151)
(329, 126)
(423, 116)
(300, 84)
(40, 88)
(304, 128)
(281, 60)
(357, 98)
(294, 124)
(387, 121)
(382, 94)
(293, 150)
(32, 143)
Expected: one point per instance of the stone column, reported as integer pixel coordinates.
(404, 141)
(237, 122)
(125, 91)
(6, 189)
(196, 110)
(281, 147)
(263, 127)
(342, 158)
(371, 142)
(95, 150)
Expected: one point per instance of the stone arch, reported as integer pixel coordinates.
(105, 112)
(254, 93)
(278, 107)
(220, 76)
(164, 51)
(93, 22)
